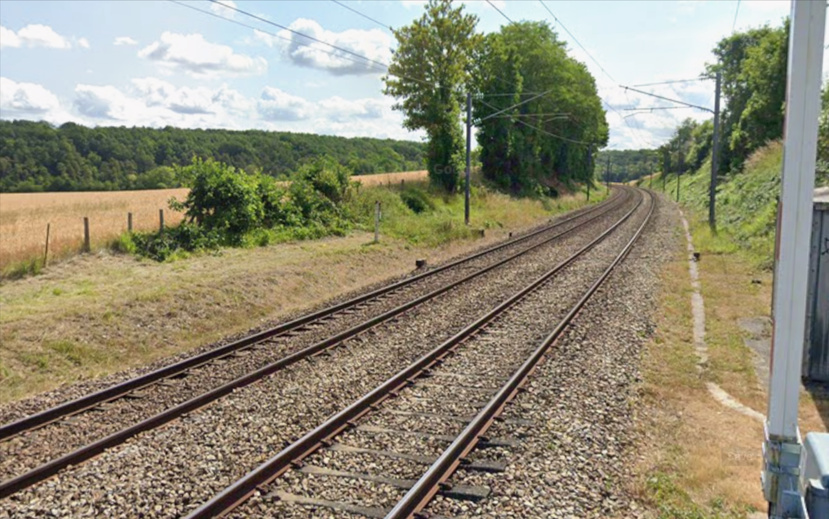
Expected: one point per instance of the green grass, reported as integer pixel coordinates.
(675, 503)
(746, 206)
(439, 217)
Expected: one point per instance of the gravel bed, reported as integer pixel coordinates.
(34, 448)
(168, 471)
(573, 461)
(494, 355)
(15, 410)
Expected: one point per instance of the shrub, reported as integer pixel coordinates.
(222, 199)
(417, 200)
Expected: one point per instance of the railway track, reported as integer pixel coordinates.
(145, 402)
(434, 413)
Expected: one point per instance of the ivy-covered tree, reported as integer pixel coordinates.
(429, 74)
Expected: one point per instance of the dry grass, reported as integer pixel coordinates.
(24, 216)
(391, 179)
(704, 460)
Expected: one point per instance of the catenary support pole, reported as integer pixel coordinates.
(781, 449)
(468, 157)
(715, 158)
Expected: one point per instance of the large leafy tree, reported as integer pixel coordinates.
(429, 74)
(537, 139)
(753, 67)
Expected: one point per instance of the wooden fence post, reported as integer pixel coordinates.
(161, 221)
(376, 222)
(87, 246)
(46, 250)
(129, 222)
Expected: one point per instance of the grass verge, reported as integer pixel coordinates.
(703, 460)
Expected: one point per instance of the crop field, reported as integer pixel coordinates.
(24, 216)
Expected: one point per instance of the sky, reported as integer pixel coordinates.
(200, 64)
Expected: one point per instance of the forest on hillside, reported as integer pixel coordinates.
(625, 165)
(36, 156)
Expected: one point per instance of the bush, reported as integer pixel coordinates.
(222, 199)
(232, 207)
(417, 200)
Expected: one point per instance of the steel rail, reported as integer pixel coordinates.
(83, 453)
(116, 391)
(428, 485)
(274, 467)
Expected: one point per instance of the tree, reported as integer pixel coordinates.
(753, 67)
(429, 71)
(535, 139)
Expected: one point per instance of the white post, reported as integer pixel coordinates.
(782, 445)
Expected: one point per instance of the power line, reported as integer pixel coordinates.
(668, 99)
(269, 33)
(736, 12)
(672, 81)
(300, 34)
(500, 11)
(367, 17)
(577, 41)
(519, 121)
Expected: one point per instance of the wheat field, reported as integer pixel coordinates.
(24, 216)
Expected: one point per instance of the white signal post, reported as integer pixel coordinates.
(781, 449)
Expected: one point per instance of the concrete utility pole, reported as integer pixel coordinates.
(782, 447)
(715, 158)
(468, 157)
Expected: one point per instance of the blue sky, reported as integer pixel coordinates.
(158, 63)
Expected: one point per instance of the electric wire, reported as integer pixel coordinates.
(367, 17)
(500, 11)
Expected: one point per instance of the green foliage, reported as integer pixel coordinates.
(35, 156)
(529, 147)
(230, 207)
(626, 165)
(753, 68)
(222, 199)
(428, 71)
(417, 200)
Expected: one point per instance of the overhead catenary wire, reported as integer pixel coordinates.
(500, 11)
(736, 12)
(269, 33)
(672, 81)
(519, 121)
(300, 34)
(367, 17)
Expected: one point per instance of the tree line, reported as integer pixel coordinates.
(36, 156)
(753, 66)
(625, 165)
(538, 115)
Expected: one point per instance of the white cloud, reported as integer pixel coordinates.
(196, 56)
(8, 38)
(224, 8)
(83, 43)
(106, 102)
(124, 40)
(373, 44)
(25, 99)
(277, 105)
(34, 35)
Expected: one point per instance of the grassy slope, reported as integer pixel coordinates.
(707, 459)
(98, 314)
